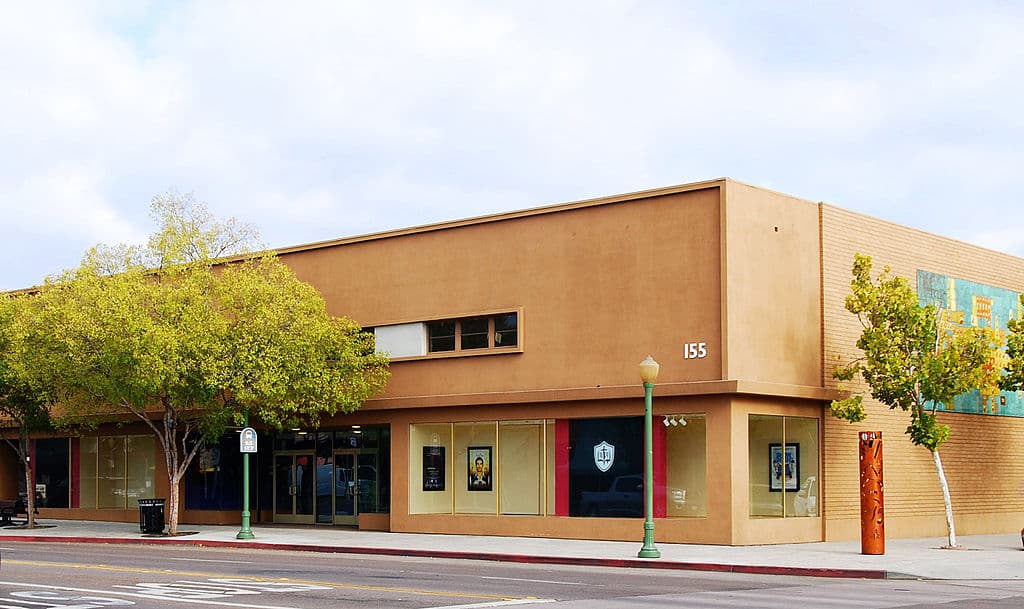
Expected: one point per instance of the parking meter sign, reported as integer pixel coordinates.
(248, 440)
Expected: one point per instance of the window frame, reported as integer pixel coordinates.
(492, 347)
(460, 334)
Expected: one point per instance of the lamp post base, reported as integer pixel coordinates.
(245, 532)
(648, 553)
(648, 550)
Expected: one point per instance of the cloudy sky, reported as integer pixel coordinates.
(316, 120)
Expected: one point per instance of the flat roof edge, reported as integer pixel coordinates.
(510, 215)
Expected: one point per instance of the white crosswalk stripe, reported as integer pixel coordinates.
(828, 595)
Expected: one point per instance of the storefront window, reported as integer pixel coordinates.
(214, 479)
(475, 482)
(53, 472)
(606, 467)
(686, 465)
(296, 439)
(140, 468)
(487, 467)
(521, 467)
(111, 466)
(430, 478)
(116, 471)
(783, 461)
(549, 467)
(804, 432)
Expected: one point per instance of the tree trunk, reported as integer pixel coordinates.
(950, 527)
(171, 459)
(178, 457)
(30, 487)
(172, 504)
(30, 496)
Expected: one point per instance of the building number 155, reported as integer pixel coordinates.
(695, 350)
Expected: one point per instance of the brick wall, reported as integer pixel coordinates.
(984, 457)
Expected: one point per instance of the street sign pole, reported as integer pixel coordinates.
(247, 445)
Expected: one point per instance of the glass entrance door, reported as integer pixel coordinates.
(294, 476)
(346, 487)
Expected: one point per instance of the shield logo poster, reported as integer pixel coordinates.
(433, 468)
(604, 456)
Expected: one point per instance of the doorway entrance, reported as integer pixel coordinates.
(330, 477)
(356, 484)
(346, 487)
(294, 475)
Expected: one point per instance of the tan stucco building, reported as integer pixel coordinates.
(515, 405)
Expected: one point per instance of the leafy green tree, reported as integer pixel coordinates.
(175, 335)
(25, 407)
(909, 362)
(1013, 377)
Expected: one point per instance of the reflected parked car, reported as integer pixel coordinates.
(624, 497)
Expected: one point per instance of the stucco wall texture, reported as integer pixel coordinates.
(758, 276)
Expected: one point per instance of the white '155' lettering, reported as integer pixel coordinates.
(695, 350)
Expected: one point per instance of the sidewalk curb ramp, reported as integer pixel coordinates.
(634, 563)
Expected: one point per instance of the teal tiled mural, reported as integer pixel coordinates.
(961, 304)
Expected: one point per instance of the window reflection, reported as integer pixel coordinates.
(474, 333)
(783, 465)
(441, 335)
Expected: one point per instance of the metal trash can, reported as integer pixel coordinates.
(151, 516)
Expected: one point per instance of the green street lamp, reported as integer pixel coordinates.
(648, 374)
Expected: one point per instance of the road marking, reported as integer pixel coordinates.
(34, 563)
(523, 601)
(532, 581)
(234, 562)
(145, 596)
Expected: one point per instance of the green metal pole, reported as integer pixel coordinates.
(245, 532)
(648, 550)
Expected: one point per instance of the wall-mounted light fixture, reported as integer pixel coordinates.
(674, 420)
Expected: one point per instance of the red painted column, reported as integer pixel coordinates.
(561, 467)
(872, 512)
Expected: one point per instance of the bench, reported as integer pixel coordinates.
(11, 509)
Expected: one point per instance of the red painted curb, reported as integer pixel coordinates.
(491, 556)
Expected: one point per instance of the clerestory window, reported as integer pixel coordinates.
(469, 333)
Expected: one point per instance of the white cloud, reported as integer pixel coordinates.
(324, 119)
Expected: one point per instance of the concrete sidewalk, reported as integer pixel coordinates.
(985, 557)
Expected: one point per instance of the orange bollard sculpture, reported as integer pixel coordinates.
(872, 512)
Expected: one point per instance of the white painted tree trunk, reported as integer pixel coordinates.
(950, 527)
(30, 496)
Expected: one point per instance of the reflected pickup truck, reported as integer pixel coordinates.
(623, 498)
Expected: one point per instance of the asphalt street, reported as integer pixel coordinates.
(86, 576)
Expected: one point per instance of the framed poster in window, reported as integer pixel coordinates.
(433, 468)
(479, 458)
(784, 467)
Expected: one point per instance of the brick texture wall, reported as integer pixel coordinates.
(983, 459)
